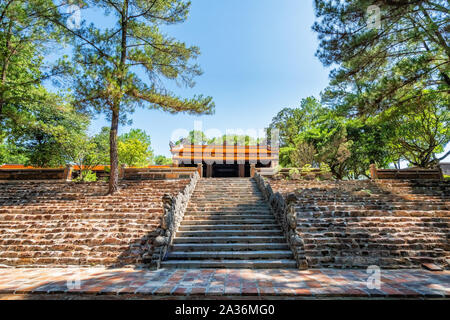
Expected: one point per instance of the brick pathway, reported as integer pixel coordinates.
(197, 283)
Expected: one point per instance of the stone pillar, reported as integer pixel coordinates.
(241, 170)
(200, 169)
(373, 171)
(252, 170)
(209, 170)
(68, 173)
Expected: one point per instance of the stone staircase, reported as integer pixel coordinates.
(228, 224)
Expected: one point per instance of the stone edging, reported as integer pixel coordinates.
(284, 211)
(174, 210)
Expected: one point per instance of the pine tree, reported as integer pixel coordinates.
(387, 65)
(111, 62)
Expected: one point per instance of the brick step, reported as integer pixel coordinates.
(372, 226)
(77, 216)
(222, 233)
(75, 236)
(421, 207)
(362, 234)
(230, 239)
(59, 251)
(230, 264)
(49, 262)
(91, 223)
(379, 249)
(231, 191)
(66, 233)
(243, 221)
(364, 242)
(228, 227)
(219, 255)
(373, 213)
(87, 242)
(229, 247)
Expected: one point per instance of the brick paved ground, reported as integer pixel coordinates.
(225, 283)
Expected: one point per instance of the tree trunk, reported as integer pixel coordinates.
(113, 154)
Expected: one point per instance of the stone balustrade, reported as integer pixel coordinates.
(174, 210)
(284, 211)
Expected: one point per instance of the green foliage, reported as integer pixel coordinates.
(324, 168)
(303, 153)
(194, 137)
(162, 160)
(421, 134)
(86, 176)
(379, 69)
(307, 168)
(111, 61)
(48, 133)
(346, 146)
(25, 35)
(199, 138)
(277, 169)
(293, 121)
(134, 148)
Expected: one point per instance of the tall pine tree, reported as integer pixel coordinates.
(112, 61)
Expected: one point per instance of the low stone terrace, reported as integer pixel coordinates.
(388, 223)
(59, 224)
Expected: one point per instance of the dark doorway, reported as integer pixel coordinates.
(225, 171)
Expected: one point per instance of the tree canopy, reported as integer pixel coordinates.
(111, 62)
(405, 59)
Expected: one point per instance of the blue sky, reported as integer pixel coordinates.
(257, 57)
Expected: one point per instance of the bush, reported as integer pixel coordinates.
(87, 176)
(307, 168)
(324, 168)
(294, 174)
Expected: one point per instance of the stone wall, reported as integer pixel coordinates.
(33, 174)
(60, 224)
(158, 173)
(355, 224)
(174, 210)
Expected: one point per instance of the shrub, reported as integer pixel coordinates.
(307, 168)
(86, 176)
(324, 168)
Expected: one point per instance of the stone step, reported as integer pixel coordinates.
(222, 233)
(228, 227)
(228, 211)
(230, 239)
(228, 217)
(243, 221)
(229, 246)
(230, 264)
(241, 255)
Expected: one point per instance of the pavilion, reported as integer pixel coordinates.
(225, 160)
